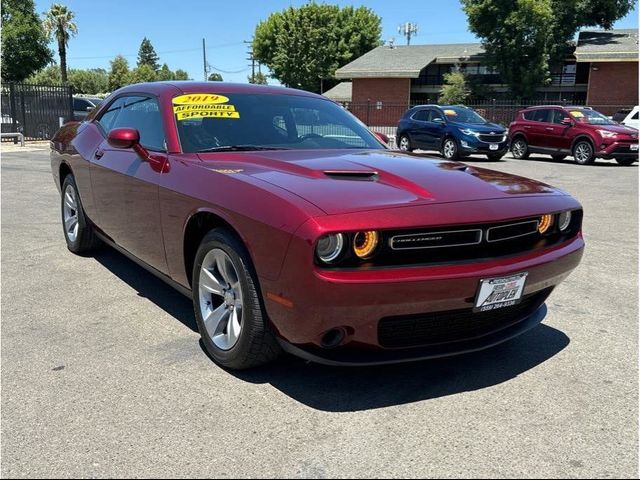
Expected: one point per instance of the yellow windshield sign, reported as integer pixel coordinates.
(203, 105)
(199, 99)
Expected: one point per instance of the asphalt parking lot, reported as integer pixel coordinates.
(103, 374)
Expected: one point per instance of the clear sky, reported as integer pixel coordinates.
(176, 29)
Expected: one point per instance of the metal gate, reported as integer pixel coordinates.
(35, 110)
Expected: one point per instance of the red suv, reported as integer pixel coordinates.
(578, 131)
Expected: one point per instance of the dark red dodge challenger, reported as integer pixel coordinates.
(293, 227)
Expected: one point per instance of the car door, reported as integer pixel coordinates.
(418, 128)
(558, 135)
(125, 186)
(536, 128)
(435, 128)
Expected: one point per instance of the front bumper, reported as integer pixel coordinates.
(355, 301)
(622, 149)
(470, 144)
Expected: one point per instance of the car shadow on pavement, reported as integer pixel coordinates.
(149, 286)
(347, 389)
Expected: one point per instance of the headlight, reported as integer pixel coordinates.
(564, 219)
(329, 247)
(607, 134)
(468, 131)
(544, 223)
(365, 243)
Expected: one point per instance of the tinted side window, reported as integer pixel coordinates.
(557, 116)
(109, 115)
(541, 115)
(436, 116)
(143, 114)
(635, 116)
(528, 115)
(422, 115)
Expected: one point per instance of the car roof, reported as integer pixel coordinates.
(185, 87)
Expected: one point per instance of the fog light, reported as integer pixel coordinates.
(329, 247)
(464, 144)
(365, 243)
(564, 219)
(545, 223)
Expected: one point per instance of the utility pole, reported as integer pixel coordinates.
(204, 60)
(253, 60)
(408, 29)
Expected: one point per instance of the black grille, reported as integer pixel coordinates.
(515, 230)
(454, 325)
(492, 138)
(453, 238)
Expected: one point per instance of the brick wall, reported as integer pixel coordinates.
(392, 92)
(613, 84)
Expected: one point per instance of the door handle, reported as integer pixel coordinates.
(99, 153)
(549, 129)
(527, 126)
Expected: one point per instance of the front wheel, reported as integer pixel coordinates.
(404, 143)
(229, 312)
(78, 230)
(520, 149)
(450, 149)
(625, 162)
(583, 153)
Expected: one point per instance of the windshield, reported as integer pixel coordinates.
(591, 117)
(462, 114)
(239, 121)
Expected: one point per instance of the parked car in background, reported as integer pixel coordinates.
(291, 226)
(621, 114)
(453, 130)
(559, 131)
(7, 124)
(631, 119)
(82, 106)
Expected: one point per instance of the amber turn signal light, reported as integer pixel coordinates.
(545, 223)
(365, 243)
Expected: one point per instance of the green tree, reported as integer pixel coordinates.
(90, 81)
(522, 37)
(58, 23)
(455, 89)
(119, 74)
(143, 73)
(259, 78)
(180, 75)
(147, 55)
(301, 45)
(215, 77)
(165, 73)
(24, 42)
(47, 76)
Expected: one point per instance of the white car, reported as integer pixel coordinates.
(631, 120)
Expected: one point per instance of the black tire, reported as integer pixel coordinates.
(520, 149)
(495, 157)
(583, 153)
(405, 138)
(450, 149)
(625, 162)
(85, 239)
(558, 158)
(256, 343)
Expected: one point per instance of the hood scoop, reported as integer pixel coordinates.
(352, 174)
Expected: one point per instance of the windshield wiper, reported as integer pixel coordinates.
(240, 148)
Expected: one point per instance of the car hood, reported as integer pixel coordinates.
(342, 181)
(480, 127)
(617, 129)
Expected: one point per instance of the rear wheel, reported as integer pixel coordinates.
(229, 312)
(404, 143)
(583, 152)
(78, 230)
(520, 149)
(450, 149)
(626, 161)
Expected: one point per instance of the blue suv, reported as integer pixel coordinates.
(453, 130)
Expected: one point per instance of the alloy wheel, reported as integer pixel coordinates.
(404, 143)
(220, 296)
(70, 213)
(449, 149)
(519, 148)
(582, 152)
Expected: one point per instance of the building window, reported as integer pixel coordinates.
(378, 105)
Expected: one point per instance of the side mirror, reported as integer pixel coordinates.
(382, 137)
(566, 121)
(90, 108)
(123, 137)
(438, 120)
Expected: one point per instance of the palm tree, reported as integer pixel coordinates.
(58, 23)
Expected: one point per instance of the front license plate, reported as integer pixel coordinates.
(500, 292)
(634, 146)
(493, 146)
